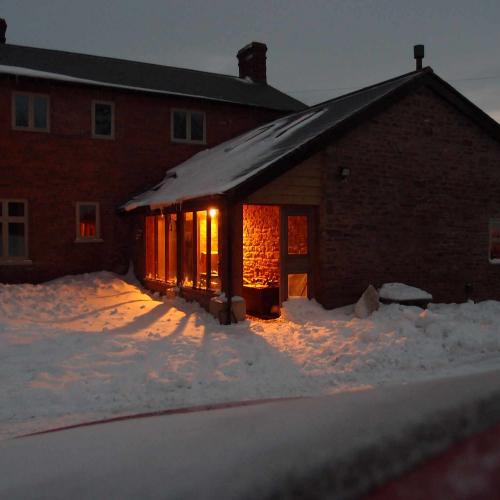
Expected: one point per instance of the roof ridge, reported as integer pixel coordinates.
(425, 70)
(123, 60)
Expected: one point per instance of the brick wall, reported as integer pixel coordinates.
(261, 242)
(425, 181)
(55, 170)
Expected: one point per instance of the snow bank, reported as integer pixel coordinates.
(90, 347)
(400, 292)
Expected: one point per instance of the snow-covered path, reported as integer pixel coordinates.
(91, 347)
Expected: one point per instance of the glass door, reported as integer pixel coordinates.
(297, 252)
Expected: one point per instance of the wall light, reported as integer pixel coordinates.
(212, 212)
(344, 173)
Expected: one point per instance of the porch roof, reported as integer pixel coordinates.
(243, 164)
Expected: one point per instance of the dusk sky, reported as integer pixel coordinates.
(317, 49)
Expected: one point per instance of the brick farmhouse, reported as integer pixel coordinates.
(212, 183)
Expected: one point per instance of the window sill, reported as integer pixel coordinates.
(106, 137)
(89, 240)
(16, 262)
(187, 141)
(32, 129)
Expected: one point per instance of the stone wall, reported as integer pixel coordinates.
(261, 242)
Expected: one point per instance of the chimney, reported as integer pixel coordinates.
(3, 29)
(252, 62)
(418, 54)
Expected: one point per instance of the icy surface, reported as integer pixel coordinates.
(330, 447)
(400, 291)
(90, 347)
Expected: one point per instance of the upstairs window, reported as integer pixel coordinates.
(495, 241)
(13, 230)
(103, 120)
(188, 126)
(30, 112)
(88, 226)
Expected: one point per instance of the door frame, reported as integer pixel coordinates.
(297, 264)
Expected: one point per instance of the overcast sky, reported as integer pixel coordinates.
(335, 46)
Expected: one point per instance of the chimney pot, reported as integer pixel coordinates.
(3, 30)
(418, 53)
(252, 62)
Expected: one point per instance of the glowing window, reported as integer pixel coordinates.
(187, 275)
(160, 248)
(172, 249)
(297, 234)
(150, 247)
(88, 226)
(297, 285)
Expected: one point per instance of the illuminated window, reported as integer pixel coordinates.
(87, 221)
(214, 250)
(160, 248)
(495, 239)
(187, 275)
(297, 285)
(150, 247)
(172, 249)
(188, 126)
(297, 234)
(13, 230)
(103, 120)
(30, 112)
(201, 250)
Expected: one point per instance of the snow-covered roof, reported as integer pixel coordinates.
(216, 171)
(118, 73)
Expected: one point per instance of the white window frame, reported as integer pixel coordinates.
(493, 223)
(31, 112)
(88, 239)
(100, 136)
(5, 219)
(188, 139)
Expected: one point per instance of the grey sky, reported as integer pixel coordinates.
(313, 44)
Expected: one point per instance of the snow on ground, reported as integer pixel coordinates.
(94, 346)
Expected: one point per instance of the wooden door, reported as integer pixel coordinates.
(297, 236)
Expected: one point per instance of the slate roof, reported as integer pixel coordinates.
(220, 169)
(143, 76)
(244, 164)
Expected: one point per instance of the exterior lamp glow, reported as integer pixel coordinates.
(212, 212)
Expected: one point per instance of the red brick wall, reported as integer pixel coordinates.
(424, 183)
(55, 170)
(261, 242)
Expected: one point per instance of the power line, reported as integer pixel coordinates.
(356, 88)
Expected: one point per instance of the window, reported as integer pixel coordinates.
(87, 222)
(203, 263)
(188, 126)
(13, 230)
(103, 120)
(161, 248)
(30, 112)
(495, 241)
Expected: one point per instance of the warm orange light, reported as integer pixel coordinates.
(213, 212)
